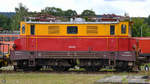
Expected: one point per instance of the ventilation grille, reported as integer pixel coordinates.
(92, 30)
(53, 30)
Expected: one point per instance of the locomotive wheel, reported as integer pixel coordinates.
(66, 68)
(92, 69)
(0, 65)
(18, 68)
(15, 68)
(60, 68)
(120, 69)
(139, 68)
(123, 66)
(37, 68)
(126, 69)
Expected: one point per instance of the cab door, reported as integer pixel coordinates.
(71, 44)
(32, 39)
(112, 40)
(32, 46)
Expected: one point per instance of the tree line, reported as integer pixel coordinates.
(21, 12)
(140, 27)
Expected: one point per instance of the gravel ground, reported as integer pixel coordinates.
(124, 80)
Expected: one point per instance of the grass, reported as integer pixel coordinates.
(49, 78)
(56, 78)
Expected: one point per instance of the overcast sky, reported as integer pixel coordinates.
(134, 8)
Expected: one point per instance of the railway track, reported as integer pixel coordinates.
(67, 72)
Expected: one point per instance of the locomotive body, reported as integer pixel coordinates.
(64, 45)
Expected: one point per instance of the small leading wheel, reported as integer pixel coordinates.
(124, 69)
(66, 68)
(146, 68)
(60, 68)
(37, 68)
(92, 69)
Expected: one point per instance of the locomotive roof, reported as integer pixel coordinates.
(108, 22)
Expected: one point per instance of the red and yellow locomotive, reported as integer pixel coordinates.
(64, 45)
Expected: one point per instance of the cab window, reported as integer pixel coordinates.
(72, 29)
(112, 29)
(32, 29)
(123, 29)
(23, 29)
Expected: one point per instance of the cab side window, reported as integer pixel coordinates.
(72, 29)
(23, 29)
(112, 29)
(32, 29)
(123, 29)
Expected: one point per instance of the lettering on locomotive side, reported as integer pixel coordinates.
(71, 46)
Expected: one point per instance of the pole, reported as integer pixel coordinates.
(141, 31)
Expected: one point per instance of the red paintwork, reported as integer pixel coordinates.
(144, 45)
(5, 47)
(74, 44)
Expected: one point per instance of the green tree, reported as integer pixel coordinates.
(21, 12)
(148, 20)
(4, 22)
(88, 13)
(53, 11)
(138, 26)
(70, 13)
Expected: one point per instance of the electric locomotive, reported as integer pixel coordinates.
(64, 45)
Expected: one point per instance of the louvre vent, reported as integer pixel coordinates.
(53, 30)
(92, 30)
